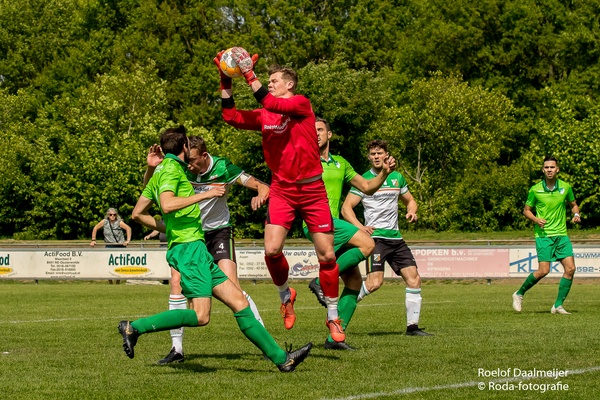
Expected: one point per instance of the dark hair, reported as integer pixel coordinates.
(198, 143)
(323, 120)
(287, 74)
(551, 158)
(377, 143)
(172, 140)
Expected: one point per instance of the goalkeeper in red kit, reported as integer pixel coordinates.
(291, 151)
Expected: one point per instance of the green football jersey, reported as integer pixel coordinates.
(336, 172)
(221, 172)
(550, 205)
(381, 209)
(184, 225)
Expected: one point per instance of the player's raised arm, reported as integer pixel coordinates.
(370, 186)
(153, 159)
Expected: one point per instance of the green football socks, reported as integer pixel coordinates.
(246, 320)
(346, 307)
(564, 286)
(350, 259)
(258, 335)
(528, 284)
(166, 320)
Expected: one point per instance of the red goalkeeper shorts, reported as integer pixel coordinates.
(306, 200)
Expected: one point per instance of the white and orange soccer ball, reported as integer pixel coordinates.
(228, 64)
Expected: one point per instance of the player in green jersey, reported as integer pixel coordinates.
(351, 245)
(381, 222)
(206, 171)
(548, 197)
(201, 278)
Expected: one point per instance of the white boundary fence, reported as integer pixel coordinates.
(449, 262)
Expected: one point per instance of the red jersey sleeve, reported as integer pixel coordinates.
(242, 119)
(296, 105)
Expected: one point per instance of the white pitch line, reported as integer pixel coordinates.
(453, 386)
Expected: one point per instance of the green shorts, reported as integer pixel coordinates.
(342, 233)
(553, 248)
(199, 273)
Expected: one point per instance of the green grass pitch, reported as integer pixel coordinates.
(59, 340)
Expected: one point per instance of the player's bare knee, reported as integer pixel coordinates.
(237, 301)
(271, 251)
(569, 268)
(326, 257)
(364, 242)
(367, 248)
(413, 281)
(540, 273)
(203, 319)
(569, 272)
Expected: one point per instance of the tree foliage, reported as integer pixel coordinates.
(575, 143)
(448, 133)
(471, 96)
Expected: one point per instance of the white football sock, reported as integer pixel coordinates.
(253, 308)
(363, 292)
(177, 302)
(284, 292)
(332, 308)
(413, 306)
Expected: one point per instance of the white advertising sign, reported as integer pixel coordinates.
(150, 263)
(84, 264)
(523, 261)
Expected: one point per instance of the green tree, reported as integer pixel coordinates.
(575, 142)
(349, 99)
(86, 153)
(445, 132)
(16, 129)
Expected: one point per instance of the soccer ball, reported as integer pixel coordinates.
(229, 66)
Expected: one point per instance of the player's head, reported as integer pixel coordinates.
(282, 81)
(112, 215)
(377, 152)
(199, 159)
(323, 131)
(550, 168)
(174, 141)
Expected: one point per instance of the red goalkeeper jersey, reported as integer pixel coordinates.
(289, 136)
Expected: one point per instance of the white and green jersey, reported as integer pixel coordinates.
(381, 208)
(220, 172)
(550, 205)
